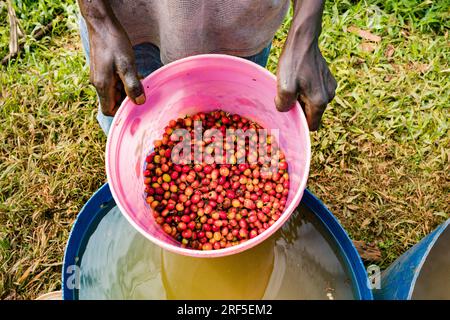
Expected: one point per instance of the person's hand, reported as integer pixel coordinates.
(113, 68)
(303, 75)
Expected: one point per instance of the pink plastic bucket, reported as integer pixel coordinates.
(185, 87)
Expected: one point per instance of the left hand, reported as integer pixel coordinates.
(303, 75)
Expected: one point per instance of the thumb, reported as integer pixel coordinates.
(286, 96)
(132, 84)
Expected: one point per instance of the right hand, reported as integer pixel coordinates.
(113, 69)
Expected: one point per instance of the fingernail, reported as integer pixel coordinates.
(140, 99)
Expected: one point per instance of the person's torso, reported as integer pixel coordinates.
(182, 28)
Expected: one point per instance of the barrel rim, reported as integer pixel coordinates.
(85, 219)
(80, 227)
(435, 237)
(343, 241)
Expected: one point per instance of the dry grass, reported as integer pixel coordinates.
(380, 162)
(51, 161)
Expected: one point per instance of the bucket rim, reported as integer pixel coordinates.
(250, 243)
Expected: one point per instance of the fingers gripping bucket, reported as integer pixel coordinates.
(200, 83)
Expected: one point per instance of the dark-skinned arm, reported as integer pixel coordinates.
(112, 63)
(302, 72)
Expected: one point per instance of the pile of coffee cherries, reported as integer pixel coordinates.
(207, 204)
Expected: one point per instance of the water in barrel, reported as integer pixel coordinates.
(297, 262)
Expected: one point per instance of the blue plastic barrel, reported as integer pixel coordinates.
(102, 202)
(402, 280)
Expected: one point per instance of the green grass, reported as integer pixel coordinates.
(380, 162)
